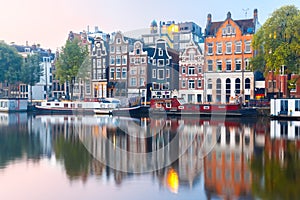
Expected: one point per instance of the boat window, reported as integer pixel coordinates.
(181, 101)
(297, 105)
(168, 105)
(80, 105)
(66, 105)
(48, 104)
(72, 105)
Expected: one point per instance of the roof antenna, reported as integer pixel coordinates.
(246, 11)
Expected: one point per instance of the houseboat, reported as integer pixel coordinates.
(88, 106)
(107, 106)
(178, 106)
(135, 111)
(13, 105)
(285, 109)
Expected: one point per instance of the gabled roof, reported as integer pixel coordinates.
(246, 26)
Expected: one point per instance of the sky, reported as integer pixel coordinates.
(48, 23)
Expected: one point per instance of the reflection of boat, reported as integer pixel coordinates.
(13, 105)
(285, 129)
(177, 106)
(285, 108)
(87, 107)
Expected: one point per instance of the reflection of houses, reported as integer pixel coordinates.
(228, 52)
(226, 171)
(191, 74)
(282, 133)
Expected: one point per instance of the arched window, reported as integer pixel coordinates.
(237, 86)
(218, 90)
(228, 89)
(247, 83)
(209, 84)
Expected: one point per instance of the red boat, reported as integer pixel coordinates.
(178, 106)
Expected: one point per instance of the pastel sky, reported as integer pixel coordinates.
(49, 22)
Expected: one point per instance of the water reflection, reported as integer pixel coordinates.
(230, 159)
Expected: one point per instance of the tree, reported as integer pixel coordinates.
(277, 42)
(69, 62)
(10, 64)
(31, 71)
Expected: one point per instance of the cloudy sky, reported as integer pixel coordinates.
(49, 22)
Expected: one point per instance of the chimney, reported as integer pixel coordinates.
(228, 15)
(209, 18)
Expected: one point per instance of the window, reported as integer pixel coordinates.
(199, 69)
(137, 52)
(219, 48)
(248, 47)
(118, 60)
(160, 62)
(143, 59)
(124, 73)
(132, 59)
(133, 71)
(199, 85)
(165, 86)
(142, 82)
(124, 60)
(153, 73)
(219, 65)
(228, 89)
(112, 73)
(210, 65)
(228, 65)
(183, 69)
(160, 74)
(191, 56)
(118, 40)
(167, 73)
(238, 64)
(155, 86)
(160, 52)
(98, 63)
(137, 60)
(238, 47)
(118, 73)
(228, 47)
(209, 84)
(133, 81)
(191, 70)
(237, 86)
(210, 48)
(218, 91)
(191, 84)
(247, 83)
(112, 49)
(124, 48)
(183, 84)
(246, 66)
(297, 105)
(142, 71)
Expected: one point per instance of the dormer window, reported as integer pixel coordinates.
(229, 30)
(160, 52)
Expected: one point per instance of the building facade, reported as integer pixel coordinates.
(191, 81)
(118, 66)
(163, 66)
(228, 52)
(137, 71)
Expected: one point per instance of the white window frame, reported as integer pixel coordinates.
(228, 47)
(158, 74)
(238, 47)
(153, 73)
(219, 48)
(118, 73)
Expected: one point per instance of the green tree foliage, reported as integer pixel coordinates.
(277, 42)
(69, 62)
(10, 64)
(31, 71)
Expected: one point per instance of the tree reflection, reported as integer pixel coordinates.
(276, 171)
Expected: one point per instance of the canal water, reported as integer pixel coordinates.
(104, 157)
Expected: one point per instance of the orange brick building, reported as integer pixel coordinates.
(228, 52)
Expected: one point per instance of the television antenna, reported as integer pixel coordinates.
(246, 12)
